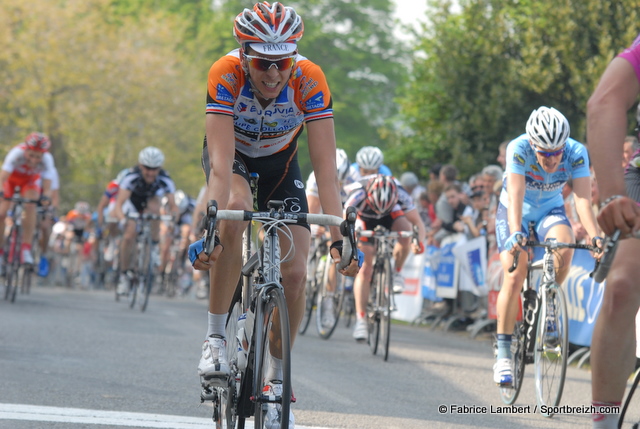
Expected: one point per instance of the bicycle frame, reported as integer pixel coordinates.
(243, 396)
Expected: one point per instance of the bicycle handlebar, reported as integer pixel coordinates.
(347, 228)
(149, 216)
(553, 245)
(610, 247)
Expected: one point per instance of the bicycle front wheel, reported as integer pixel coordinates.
(272, 338)
(373, 307)
(551, 346)
(12, 266)
(384, 300)
(510, 394)
(329, 304)
(310, 293)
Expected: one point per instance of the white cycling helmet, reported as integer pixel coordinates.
(151, 157)
(182, 200)
(547, 128)
(369, 158)
(342, 162)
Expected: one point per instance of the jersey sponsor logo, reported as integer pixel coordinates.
(578, 162)
(232, 80)
(535, 176)
(546, 187)
(315, 102)
(271, 124)
(242, 107)
(251, 121)
(535, 168)
(298, 184)
(518, 159)
(501, 229)
(223, 94)
(307, 85)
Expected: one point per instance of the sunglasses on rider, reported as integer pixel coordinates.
(264, 64)
(150, 168)
(549, 154)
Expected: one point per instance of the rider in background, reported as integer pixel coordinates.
(180, 230)
(369, 161)
(46, 225)
(539, 163)
(381, 201)
(140, 191)
(22, 167)
(613, 344)
(313, 199)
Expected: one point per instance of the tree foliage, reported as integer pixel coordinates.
(105, 78)
(487, 66)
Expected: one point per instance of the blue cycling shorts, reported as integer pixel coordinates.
(555, 216)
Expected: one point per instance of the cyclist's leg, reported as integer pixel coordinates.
(507, 305)
(224, 275)
(400, 252)
(556, 225)
(361, 289)
(29, 222)
(614, 337)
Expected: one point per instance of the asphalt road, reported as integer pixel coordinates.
(72, 359)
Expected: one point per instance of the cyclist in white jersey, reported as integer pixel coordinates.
(539, 163)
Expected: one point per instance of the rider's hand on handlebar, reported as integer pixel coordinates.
(354, 266)
(621, 213)
(200, 260)
(515, 242)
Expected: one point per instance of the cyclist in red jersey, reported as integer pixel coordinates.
(613, 346)
(259, 98)
(22, 167)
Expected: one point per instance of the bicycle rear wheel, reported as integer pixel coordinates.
(373, 307)
(329, 304)
(627, 401)
(386, 280)
(551, 347)
(510, 394)
(272, 336)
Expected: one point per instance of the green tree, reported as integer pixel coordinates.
(489, 65)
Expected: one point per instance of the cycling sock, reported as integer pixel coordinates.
(274, 372)
(26, 246)
(604, 418)
(217, 324)
(360, 315)
(504, 346)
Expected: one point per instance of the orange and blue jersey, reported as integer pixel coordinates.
(263, 131)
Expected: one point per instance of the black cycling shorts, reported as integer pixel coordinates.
(280, 177)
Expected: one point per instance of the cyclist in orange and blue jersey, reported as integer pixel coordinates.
(539, 163)
(259, 98)
(22, 167)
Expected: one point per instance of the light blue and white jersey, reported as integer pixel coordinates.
(543, 190)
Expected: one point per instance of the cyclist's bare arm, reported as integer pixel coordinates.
(414, 217)
(582, 192)
(123, 195)
(607, 126)
(322, 149)
(516, 186)
(221, 148)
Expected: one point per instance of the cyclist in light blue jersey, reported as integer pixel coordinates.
(539, 163)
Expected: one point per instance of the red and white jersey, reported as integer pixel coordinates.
(16, 163)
